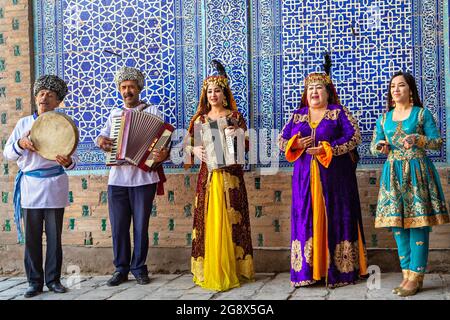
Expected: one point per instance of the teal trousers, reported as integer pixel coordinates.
(412, 247)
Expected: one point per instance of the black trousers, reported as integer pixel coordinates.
(125, 204)
(35, 219)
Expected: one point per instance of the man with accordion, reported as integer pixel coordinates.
(132, 185)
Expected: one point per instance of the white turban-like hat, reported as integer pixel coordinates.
(128, 73)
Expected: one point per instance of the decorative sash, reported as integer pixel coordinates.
(38, 173)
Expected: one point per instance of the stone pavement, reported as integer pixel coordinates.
(268, 286)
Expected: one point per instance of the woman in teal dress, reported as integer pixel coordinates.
(410, 199)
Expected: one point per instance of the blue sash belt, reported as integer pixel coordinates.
(38, 173)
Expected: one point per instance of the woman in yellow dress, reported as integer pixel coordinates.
(222, 253)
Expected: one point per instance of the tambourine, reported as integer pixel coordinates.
(54, 133)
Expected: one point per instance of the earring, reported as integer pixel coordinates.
(225, 103)
(411, 100)
(393, 104)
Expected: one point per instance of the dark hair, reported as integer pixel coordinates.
(412, 86)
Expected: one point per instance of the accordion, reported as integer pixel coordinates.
(136, 135)
(221, 150)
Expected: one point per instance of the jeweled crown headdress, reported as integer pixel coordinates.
(324, 78)
(318, 77)
(218, 75)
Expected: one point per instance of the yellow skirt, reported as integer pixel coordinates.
(219, 266)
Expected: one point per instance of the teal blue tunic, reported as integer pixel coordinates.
(410, 193)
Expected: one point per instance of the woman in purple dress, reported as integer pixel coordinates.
(327, 240)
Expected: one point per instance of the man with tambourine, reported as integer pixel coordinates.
(42, 186)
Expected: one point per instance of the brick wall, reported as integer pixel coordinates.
(86, 221)
(15, 89)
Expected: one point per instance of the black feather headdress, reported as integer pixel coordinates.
(218, 69)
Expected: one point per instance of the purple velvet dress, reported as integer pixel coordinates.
(346, 254)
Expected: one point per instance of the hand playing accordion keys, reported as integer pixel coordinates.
(224, 143)
(136, 135)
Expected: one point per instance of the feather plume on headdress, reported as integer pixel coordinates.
(218, 68)
(327, 64)
(218, 75)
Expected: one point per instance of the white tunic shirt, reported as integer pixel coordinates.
(128, 175)
(36, 193)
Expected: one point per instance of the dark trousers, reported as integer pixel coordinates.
(34, 222)
(126, 203)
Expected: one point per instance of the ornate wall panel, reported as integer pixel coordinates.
(268, 47)
(368, 41)
(86, 41)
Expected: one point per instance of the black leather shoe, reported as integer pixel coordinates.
(116, 279)
(143, 279)
(56, 287)
(32, 291)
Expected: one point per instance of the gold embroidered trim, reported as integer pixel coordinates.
(374, 142)
(300, 118)
(328, 115)
(332, 114)
(353, 142)
(422, 141)
(217, 80)
(296, 255)
(317, 77)
(281, 141)
(308, 251)
(244, 266)
(406, 154)
(302, 283)
(416, 222)
(340, 284)
(197, 268)
(410, 206)
(346, 256)
(427, 143)
(234, 216)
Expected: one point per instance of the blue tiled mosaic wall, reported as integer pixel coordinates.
(269, 46)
